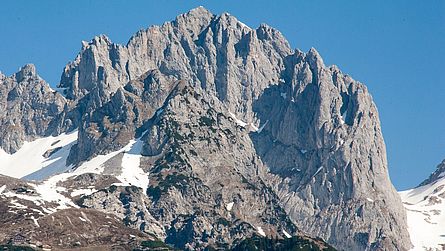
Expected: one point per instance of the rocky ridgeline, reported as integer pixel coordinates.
(28, 106)
(242, 136)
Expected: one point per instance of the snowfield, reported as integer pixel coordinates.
(132, 173)
(425, 209)
(29, 161)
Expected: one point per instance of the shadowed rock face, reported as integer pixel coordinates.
(323, 139)
(230, 114)
(436, 175)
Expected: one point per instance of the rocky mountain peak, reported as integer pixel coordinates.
(25, 72)
(100, 40)
(322, 124)
(232, 127)
(199, 12)
(438, 173)
(29, 105)
(314, 59)
(195, 20)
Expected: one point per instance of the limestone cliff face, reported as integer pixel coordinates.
(230, 115)
(217, 53)
(27, 106)
(323, 139)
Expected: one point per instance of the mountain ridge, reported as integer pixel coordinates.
(215, 104)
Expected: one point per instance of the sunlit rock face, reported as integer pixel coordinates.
(237, 133)
(27, 107)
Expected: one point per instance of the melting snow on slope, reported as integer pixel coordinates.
(86, 191)
(262, 127)
(35, 221)
(425, 209)
(318, 170)
(252, 127)
(48, 191)
(239, 122)
(132, 173)
(30, 161)
(15, 204)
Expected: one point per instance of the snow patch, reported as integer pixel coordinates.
(38, 211)
(229, 206)
(35, 221)
(261, 232)
(132, 173)
(369, 199)
(2, 189)
(47, 190)
(343, 117)
(239, 122)
(87, 191)
(286, 234)
(425, 215)
(262, 127)
(17, 205)
(255, 129)
(318, 170)
(29, 161)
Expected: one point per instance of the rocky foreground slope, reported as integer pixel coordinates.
(203, 132)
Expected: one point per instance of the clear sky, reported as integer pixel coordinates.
(397, 48)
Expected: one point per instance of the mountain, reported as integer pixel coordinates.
(28, 106)
(205, 133)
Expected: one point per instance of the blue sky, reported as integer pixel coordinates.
(397, 48)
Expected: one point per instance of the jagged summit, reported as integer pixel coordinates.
(199, 12)
(28, 70)
(435, 176)
(315, 58)
(25, 72)
(28, 106)
(199, 15)
(204, 132)
(97, 40)
(199, 38)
